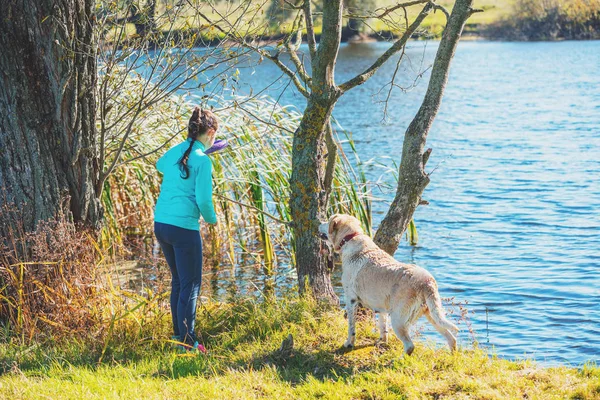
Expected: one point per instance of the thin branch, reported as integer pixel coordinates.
(384, 11)
(442, 9)
(389, 94)
(292, 48)
(294, 6)
(299, 66)
(331, 160)
(400, 5)
(250, 97)
(150, 152)
(310, 30)
(275, 107)
(263, 121)
(274, 218)
(395, 70)
(399, 44)
(291, 74)
(275, 59)
(104, 174)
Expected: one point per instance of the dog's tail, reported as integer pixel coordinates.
(436, 311)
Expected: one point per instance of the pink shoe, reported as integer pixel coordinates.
(197, 347)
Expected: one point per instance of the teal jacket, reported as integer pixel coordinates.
(182, 201)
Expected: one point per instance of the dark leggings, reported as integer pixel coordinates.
(183, 250)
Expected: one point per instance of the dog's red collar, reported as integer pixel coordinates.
(346, 239)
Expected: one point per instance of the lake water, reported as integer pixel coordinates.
(513, 225)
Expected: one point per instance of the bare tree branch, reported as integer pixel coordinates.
(310, 30)
(274, 58)
(383, 12)
(166, 74)
(274, 218)
(289, 73)
(389, 94)
(442, 9)
(299, 66)
(256, 117)
(156, 150)
(294, 6)
(331, 160)
(292, 51)
(412, 178)
(397, 46)
(390, 10)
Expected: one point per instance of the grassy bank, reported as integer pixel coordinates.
(500, 20)
(548, 20)
(245, 362)
(256, 25)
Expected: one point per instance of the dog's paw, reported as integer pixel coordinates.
(344, 349)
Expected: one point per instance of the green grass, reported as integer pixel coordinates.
(244, 363)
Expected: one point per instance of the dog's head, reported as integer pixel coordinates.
(338, 227)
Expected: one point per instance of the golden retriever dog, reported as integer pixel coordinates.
(373, 278)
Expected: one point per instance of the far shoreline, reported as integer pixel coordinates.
(471, 35)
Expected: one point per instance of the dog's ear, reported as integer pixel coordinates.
(333, 225)
(333, 222)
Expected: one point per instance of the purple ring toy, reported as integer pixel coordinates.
(217, 146)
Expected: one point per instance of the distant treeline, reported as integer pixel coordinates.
(548, 20)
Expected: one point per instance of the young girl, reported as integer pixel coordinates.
(185, 194)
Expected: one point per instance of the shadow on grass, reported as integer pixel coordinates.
(295, 367)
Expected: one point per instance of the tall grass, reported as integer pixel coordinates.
(250, 177)
(56, 281)
(48, 278)
(55, 287)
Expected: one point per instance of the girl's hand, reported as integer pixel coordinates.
(212, 135)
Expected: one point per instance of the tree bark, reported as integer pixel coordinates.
(47, 108)
(412, 178)
(308, 181)
(308, 200)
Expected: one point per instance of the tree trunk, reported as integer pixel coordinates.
(47, 108)
(412, 178)
(308, 199)
(308, 182)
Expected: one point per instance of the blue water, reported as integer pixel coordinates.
(513, 225)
